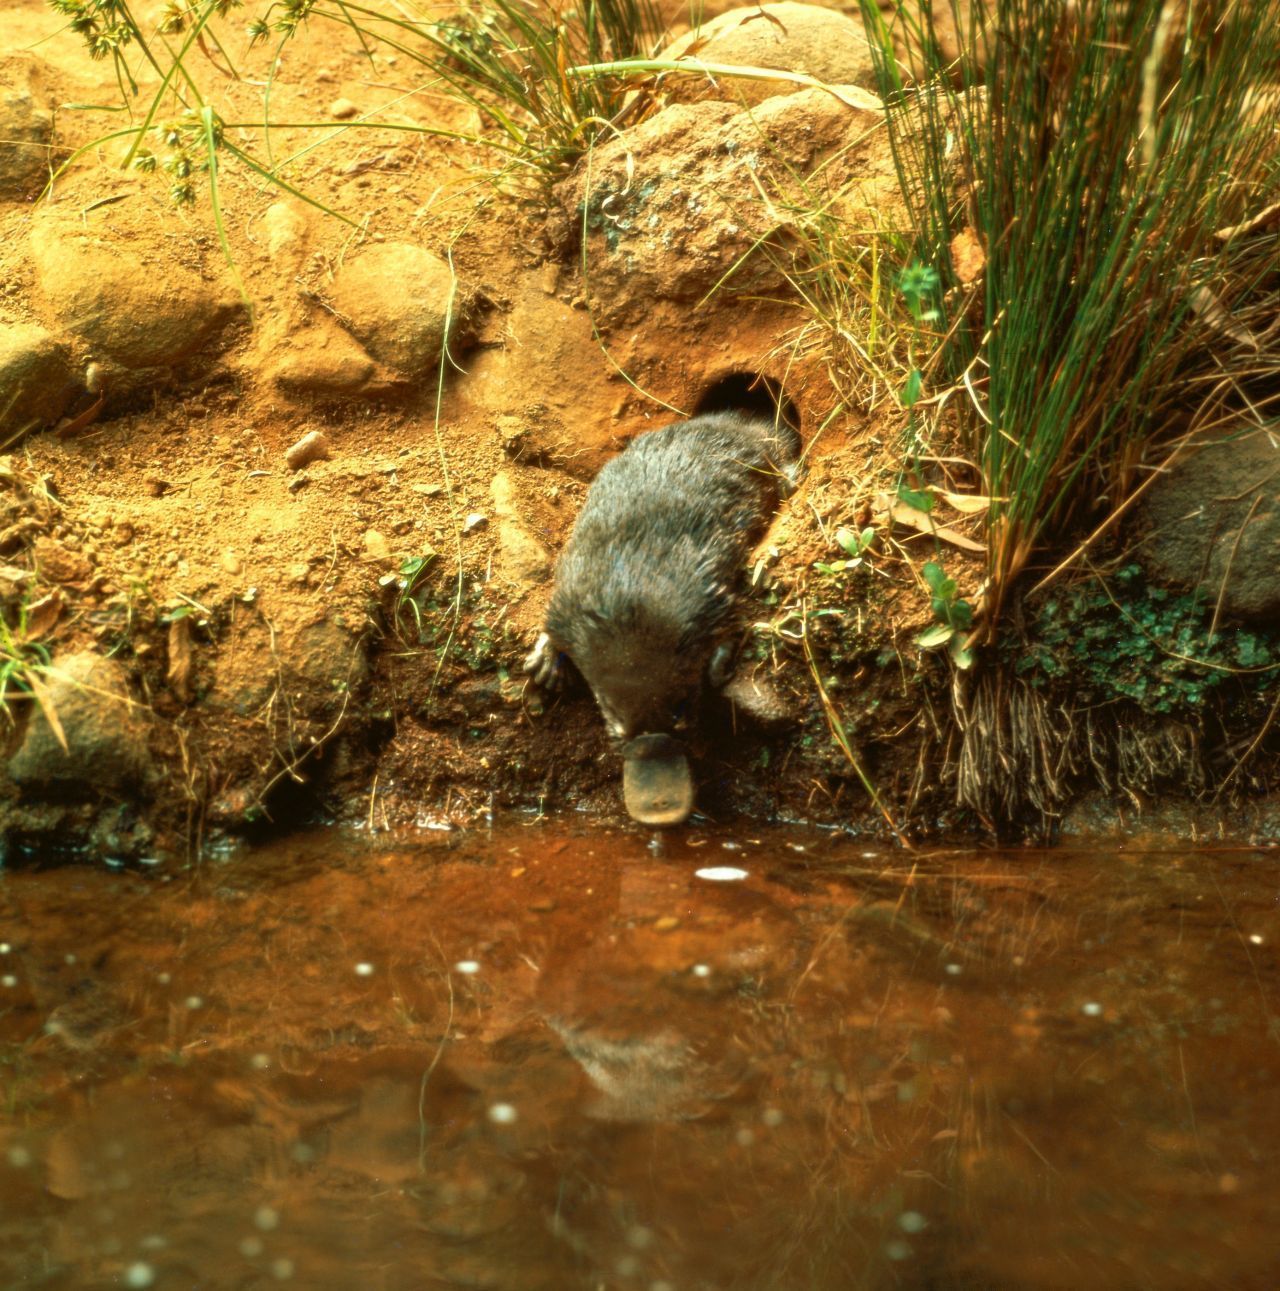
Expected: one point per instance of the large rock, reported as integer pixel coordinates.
(106, 731)
(36, 381)
(396, 298)
(127, 290)
(673, 207)
(26, 128)
(821, 43)
(1213, 523)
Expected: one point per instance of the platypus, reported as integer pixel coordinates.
(648, 587)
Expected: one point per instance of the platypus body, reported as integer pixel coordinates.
(648, 588)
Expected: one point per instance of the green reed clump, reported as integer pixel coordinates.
(1098, 150)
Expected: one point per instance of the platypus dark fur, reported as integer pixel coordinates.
(647, 590)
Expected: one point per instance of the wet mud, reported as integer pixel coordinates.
(522, 1058)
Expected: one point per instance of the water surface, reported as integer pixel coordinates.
(523, 1059)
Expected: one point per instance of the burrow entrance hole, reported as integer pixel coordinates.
(751, 393)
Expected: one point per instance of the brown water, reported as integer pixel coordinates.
(525, 1060)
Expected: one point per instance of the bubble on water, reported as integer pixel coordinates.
(627, 1266)
(1092, 1009)
(260, 1061)
(140, 1274)
(771, 1116)
(702, 970)
(282, 1269)
(163, 978)
(19, 1157)
(502, 1114)
(69, 958)
(250, 1247)
(897, 1250)
(5, 948)
(745, 1137)
(194, 1002)
(1256, 938)
(954, 970)
(466, 966)
(639, 1238)
(912, 1221)
(8, 980)
(266, 1218)
(720, 873)
(364, 970)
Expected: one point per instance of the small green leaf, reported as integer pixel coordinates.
(961, 657)
(911, 391)
(934, 575)
(961, 615)
(935, 636)
(915, 498)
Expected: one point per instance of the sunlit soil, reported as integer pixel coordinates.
(524, 1059)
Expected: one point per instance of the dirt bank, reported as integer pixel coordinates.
(286, 545)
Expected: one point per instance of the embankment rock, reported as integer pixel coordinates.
(106, 731)
(673, 207)
(26, 128)
(829, 46)
(36, 381)
(136, 300)
(1213, 524)
(521, 557)
(396, 299)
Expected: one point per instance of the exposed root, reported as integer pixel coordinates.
(1025, 749)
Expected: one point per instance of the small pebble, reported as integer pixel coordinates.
(364, 970)
(194, 1002)
(265, 1218)
(282, 1269)
(343, 110)
(140, 1274)
(8, 980)
(666, 923)
(476, 520)
(1092, 1010)
(467, 966)
(720, 873)
(702, 970)
(312, 447)
(502, 1114)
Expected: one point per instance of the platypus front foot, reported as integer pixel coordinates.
(545, 664)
